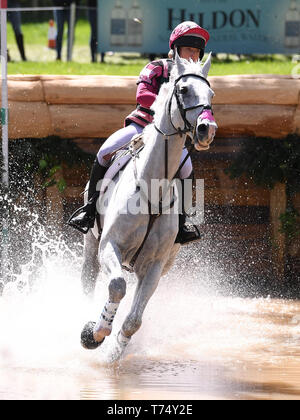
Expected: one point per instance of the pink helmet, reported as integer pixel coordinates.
(189, 34)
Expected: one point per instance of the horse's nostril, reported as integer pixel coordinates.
(202, 129)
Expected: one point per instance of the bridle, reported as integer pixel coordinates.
(188, 127)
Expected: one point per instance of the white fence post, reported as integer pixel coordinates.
(71, 31)
(4, 125)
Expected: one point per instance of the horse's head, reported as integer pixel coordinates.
(190, 105)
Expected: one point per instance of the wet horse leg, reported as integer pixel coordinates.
(147, 283)
(111, 263)
(90, 268)
(93, 334)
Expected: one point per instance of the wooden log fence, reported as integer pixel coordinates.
(41, 106)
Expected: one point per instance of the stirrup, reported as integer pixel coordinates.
(70, 222)
(197, 237)
(84, 208)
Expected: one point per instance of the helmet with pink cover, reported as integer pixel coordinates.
(189, 34)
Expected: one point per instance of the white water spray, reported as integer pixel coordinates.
(187, 326)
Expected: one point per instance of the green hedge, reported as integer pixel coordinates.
(267, 162)
(29, 157)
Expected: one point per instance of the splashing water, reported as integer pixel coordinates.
(194, 342)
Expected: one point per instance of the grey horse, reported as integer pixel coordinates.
(182, 108)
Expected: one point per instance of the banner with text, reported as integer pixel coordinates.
(240, 27)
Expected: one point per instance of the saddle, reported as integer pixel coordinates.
(121, 157)
(117, 162)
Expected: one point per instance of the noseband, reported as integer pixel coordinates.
(188, 127)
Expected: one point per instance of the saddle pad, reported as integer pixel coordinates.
(114, 168)
(119, 161)
(111, 172)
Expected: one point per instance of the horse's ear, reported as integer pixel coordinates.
(178, 62)
(206, 66)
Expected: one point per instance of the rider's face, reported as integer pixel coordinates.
(190, 53)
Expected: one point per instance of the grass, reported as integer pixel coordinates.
(41, 60)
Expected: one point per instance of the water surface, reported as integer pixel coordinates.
(195, 343)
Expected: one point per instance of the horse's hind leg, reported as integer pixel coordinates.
(91, 267)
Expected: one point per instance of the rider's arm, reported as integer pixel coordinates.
(148, 84)
(145, 95)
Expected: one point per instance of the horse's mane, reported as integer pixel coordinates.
(189, 67)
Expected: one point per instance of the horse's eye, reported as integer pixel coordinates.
(183, 90)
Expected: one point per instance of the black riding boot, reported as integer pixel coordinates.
(185, 234)
(20, 43)
(84, 218)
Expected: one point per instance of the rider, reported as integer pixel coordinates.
(190, 40)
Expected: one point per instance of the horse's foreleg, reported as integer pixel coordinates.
(111, 262)
(94, 333)
(147, 285)
(90, 268)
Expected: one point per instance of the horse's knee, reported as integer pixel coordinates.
(131, 325)
(117, 289)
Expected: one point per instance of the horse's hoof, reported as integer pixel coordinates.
(87, 337)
